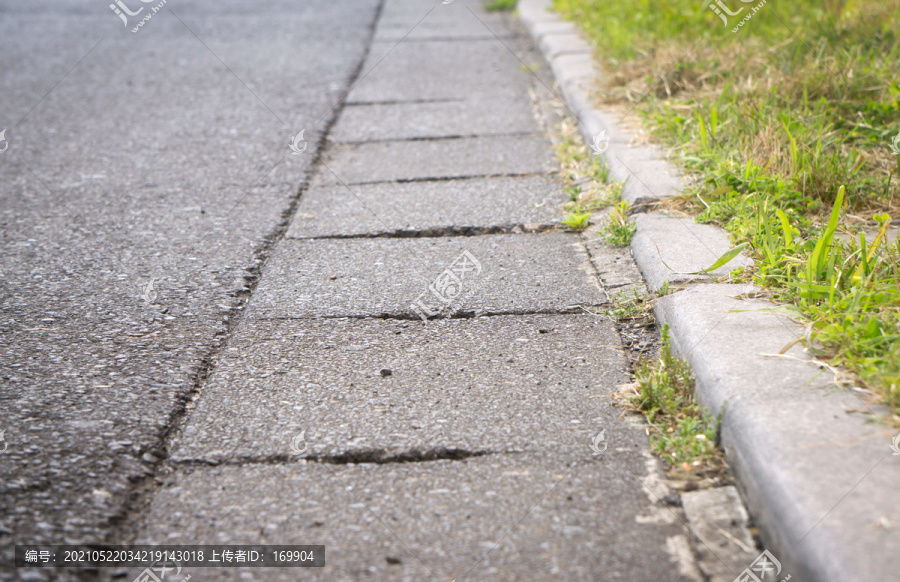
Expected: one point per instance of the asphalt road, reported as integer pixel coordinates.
(136, 157)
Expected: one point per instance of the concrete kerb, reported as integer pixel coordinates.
(784, 430)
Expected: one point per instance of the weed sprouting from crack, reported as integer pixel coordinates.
(681, 431)
(619, 228)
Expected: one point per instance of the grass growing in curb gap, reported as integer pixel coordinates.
(619, 228)
(585, 177)
(681, 431)
(500, 5)
(786, 128)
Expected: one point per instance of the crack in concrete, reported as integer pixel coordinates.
(451, 39)
(357, 457)
(449, 178)
(400, 102)
(443, 137)
(443, 231)
(461, 314)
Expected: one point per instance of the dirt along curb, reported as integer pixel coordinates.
(818, 480)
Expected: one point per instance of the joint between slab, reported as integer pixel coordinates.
(406, 316)
(354, 457)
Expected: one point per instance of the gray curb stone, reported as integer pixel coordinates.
(682, 244)
(816, 479)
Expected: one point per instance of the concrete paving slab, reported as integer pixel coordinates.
(408, 31)
(817, 478)
(415, 71)
(435, 27)
(666, 248)
(497, 517)
(614, 265)
(490, 384)
(459, 20)
(435, 120)
(423, 208)
(385, 276)
(719, 521)
(438, 159)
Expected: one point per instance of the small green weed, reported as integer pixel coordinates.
(619, 229)
(577, 221)
(635, 307)
(681, 431)
(500, 5)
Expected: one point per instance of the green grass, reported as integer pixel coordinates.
(631, 308)
(681, 431)
(619, 228)
(500, 5)
(585, 177)
(786, 125)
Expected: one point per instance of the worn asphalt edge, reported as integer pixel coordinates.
(767, 485)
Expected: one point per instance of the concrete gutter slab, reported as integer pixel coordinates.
(490, 384)
(438, 159)
(440, 119)
(375, 277)
(428, 208)
(718, 518)
(498, 517)
(416, 71)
